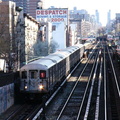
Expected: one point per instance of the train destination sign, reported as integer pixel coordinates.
(52, 15)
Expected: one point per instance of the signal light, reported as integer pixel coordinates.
(26, 87)
(42, 74)
(41, 87)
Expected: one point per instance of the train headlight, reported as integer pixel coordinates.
(41, 87)
(26, 87)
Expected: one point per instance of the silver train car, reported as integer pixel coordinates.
(43, 75)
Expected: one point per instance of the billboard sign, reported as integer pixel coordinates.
(52, 15)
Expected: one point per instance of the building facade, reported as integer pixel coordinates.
(86, 23)
(8, 12)
(27, 36)
(19, 33)
(97, 16)
(73, 34)
(29, 6)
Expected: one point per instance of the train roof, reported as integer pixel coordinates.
(52, 59)
(56, 57)
(72, 49)
(47, 61)
(38, 64)
(60, 55)
(78, 45)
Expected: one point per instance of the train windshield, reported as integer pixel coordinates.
(33, 74)
(24, 74)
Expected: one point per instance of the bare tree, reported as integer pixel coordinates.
(53, 46)
(43, 49)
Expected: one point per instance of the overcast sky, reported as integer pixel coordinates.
(103, 6)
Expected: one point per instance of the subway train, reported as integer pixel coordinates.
(44, 75)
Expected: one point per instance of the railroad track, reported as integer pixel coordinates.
(35, 111)
(86, 97)
(113, 89)
(72, 103)
(25, 112)
(101, 103)
(90, 108)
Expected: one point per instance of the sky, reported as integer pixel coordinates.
(103, 6)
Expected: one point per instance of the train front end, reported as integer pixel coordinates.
(33, 80)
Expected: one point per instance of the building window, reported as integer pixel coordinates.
(53, 28)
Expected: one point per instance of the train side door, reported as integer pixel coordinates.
(33, 75)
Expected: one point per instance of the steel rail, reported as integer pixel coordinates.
(105, 87)
(98, 94)
(118, 89)
(85, 93)
(90, 95)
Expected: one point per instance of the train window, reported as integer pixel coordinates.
(33, 74)
(42, 74)
(24, 74)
